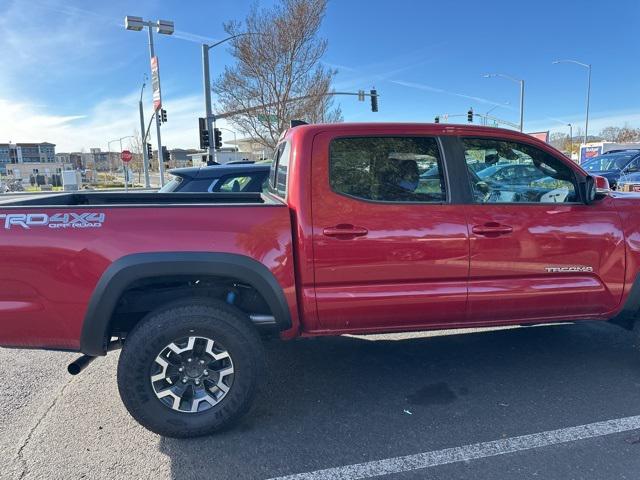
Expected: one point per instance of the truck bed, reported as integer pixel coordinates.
(54, 249)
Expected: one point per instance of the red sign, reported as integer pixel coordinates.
(544, 136)
(126, 156)
(155, 83)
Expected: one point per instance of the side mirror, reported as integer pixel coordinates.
(602, 186)
(595, 187)
(589, 192)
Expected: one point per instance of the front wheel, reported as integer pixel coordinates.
(190, 369)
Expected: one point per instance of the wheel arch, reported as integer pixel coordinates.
(131, 268)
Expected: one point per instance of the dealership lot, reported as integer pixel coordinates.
(337, 402)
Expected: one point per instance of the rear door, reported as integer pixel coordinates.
(391, 251)
(537, 251)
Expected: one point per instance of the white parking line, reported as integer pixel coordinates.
(470, 452)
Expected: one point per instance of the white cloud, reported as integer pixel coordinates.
(597, 121)
(429, 88)
(109, 119)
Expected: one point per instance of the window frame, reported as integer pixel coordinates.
(467, 180)
(444, 177)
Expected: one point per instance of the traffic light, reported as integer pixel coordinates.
(163, 115)
(204, 133)
(217, 135)
(470, 115)
(165, 155)
(437, 119)
(374, 100)
(149, 151)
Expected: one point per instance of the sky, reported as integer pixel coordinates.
(71, 74)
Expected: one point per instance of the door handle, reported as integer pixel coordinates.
(492, 229)
(345, 230)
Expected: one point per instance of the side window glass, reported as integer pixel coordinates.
(233, 184)
(633, 166)
(387, 169)
(516, 173)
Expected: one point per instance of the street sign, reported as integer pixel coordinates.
(155, 83)
(267, 118)
(126, 156)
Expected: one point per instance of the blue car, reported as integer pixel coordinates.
(239, 177)
(613, 165)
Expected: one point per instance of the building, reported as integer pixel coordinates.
(16, 153)
(100, 161)
(74, 159)
(244, 149)
(179, 157)
(251, 149)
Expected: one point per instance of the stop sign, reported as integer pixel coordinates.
(126, 156)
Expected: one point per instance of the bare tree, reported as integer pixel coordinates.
(278, 63)
(610, 134)
(622, 134)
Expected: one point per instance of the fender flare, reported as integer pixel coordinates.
(130, 268)
(627, 316)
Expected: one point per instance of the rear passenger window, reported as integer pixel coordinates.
(387, 169)
(280, 169)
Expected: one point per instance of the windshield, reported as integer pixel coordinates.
(612, 161)
(172, 186)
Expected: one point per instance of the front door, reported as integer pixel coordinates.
(390, 251)
(537, 251)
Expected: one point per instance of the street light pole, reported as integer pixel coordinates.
(160, 162)
(516, 80)
(145, 157)
(164, 27)
(521, 105)
(206, 83)
(588, 67)
(570, 140)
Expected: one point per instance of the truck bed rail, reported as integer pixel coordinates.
(139, 198)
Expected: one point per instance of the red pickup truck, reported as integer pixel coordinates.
(365, 228)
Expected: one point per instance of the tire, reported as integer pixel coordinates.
(159, 339)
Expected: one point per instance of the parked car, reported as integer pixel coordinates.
(629, 182)
(344, 241)
(238, 177)
(504, 172)
(613, 165)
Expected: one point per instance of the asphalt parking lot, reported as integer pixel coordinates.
(333, 403)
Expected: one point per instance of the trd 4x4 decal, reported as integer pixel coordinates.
(57, 220)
